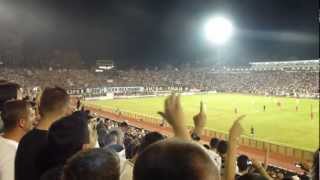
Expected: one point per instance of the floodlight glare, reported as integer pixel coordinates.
(218, 30)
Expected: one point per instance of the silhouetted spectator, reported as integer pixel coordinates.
(66, 137)
(243, 165)
(214, 142)
(95, 164)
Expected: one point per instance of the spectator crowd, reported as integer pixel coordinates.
(50, 139)
(279, 83)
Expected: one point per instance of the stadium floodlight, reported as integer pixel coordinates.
(98, 70)
(218, 30)
(106, 67)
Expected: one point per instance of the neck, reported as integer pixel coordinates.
(133, 159)
(45, 122)
(14, 135)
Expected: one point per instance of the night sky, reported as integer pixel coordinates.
(158, 32)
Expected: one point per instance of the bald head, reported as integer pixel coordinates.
(175, 159)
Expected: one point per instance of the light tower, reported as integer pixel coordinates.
(218, 31)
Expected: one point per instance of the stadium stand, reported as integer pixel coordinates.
(51, 150)
(298, 79)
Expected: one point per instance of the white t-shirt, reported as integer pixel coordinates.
(8, 150)
(126, 172)
(215, 158)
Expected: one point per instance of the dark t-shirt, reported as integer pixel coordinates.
(26, 162)
(53, 174)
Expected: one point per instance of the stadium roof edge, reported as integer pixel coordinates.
(286, 62)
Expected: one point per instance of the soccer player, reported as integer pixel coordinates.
(311, 113)
(264, 108)
(279, 103)
(252, 131)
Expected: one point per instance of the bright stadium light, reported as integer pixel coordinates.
(218, 30)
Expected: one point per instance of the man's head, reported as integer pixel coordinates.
(149, 139)
(222, 147)
(115, 136)
(214, 143)
(17, 115)
(124, 126)
(174, 159)
(243, 163)
(97, 164)
(102, 133)
(54, 102)
(67, 136)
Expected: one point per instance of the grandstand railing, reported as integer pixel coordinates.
(302, 155)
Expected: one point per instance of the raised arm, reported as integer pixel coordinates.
(173, 114)
(200, 120)
(234, 136)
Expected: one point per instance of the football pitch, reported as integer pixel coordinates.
(283, 125)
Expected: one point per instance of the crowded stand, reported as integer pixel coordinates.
(119, 90)
(290, 79)
(50, 138)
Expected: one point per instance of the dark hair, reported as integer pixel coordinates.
(214, 143)
(95, 164)
(123, 124)
(206, 146)
(12, 112)
(132, 147)
(8, 91)
(52, 100)
(65, 138)
(149, 139)
(172, 160)
(242, 162)
(222, 147)
(114, 135)
(102, 134)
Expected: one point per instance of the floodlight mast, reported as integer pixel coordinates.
(218, 31)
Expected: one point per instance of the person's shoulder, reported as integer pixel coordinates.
(35, 133)
(4, 142)
(8, 147)
(33, 137)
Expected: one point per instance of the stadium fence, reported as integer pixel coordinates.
(301, 155)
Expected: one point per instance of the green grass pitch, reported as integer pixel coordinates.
(281, 125)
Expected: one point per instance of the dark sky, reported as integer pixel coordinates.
(152, 32)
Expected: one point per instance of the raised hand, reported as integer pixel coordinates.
(258, 166)
(236, 130)
(173, 114)
(234, 134)
(200, 119)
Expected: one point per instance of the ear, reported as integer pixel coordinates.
(22, 123)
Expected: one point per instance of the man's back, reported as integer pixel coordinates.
(29, 148)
